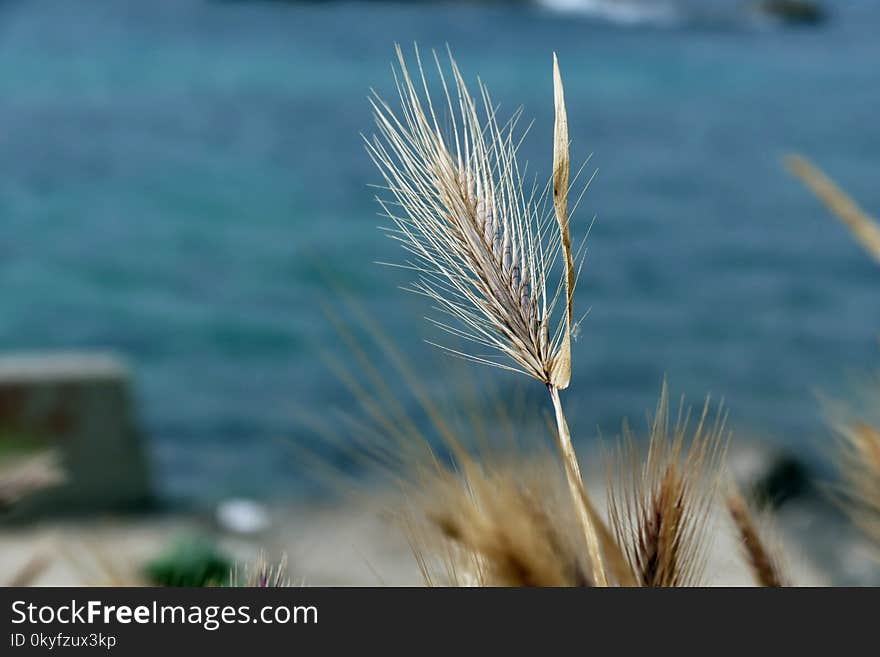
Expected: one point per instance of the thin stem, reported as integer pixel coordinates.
(576, 487)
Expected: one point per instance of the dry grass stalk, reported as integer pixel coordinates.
(481, 246)
(502, 531)
(30, 572)
(261, 574)
(764, 564)
(660, 508)
(859, 464)
(864, 228)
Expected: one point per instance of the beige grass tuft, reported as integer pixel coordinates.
(859, 465)
(660, 506)
(508, 533)
(261, 574)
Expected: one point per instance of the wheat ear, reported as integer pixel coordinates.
(660, 506)
(510, 533)
(483, 247)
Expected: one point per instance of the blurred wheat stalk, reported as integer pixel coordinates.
(864, 228)
(859, 464)
(859, 443)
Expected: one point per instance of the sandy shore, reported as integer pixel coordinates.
(354, 544)
(357, 547)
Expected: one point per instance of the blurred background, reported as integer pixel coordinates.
(180, 178)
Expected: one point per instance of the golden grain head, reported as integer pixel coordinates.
(480, 240)
(660, 505)
(504, 527)
(859, 465)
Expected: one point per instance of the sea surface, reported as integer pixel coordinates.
(179, 180)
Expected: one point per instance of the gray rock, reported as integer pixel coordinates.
(795, 12)
(79, 406)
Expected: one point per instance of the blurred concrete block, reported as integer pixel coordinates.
(78, 404)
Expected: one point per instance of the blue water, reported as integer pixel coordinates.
(175, 175)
